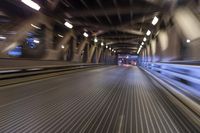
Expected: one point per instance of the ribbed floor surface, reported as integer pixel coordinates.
(106, 100)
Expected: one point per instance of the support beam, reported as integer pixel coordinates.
(91, 53)
(55, 54)
(77, 56)
(98, 54)
(113, 11)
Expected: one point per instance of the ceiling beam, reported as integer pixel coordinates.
(113, 11)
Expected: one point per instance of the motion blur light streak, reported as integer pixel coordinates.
(31, 4)
(2, 37)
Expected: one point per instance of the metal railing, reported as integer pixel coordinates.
(184, 77)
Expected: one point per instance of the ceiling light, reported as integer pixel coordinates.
(67, 24)
(109, 48)
(36, 41)
(2, 37)
(85, 34)
(148, 33)
(106, 46)
(35, 26)
(188, 41)
(62, 46)
(139, 50)
(60, 35)
(155, 20)
(144, 39)
(95, 39)
(102, 44)
(142, 43)
(31, 4)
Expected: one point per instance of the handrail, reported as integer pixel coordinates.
(184, 77)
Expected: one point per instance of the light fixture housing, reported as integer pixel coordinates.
(36, 41)
(188, 40)
(144, 39)
(95, 39)
(2, 38)
(85, 34)
(67, 24)
(155, 20)
(148, 33)
(62, 46)
(35, 26)
(31, 4)
(60, 35)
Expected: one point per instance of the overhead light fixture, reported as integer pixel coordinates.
(60, 35)
(188, 40)
(148, 33)
(144, 39)
(95, 39)
(112, 49)
(85, 34)
(36, 41)
(142, 43)
(31, 4)
(102, 44)
(35, 26)
(109, 48)
(3, 37)
(62, 46)
(155, 20)
(67, 24)
(106, 46)
(139, 50)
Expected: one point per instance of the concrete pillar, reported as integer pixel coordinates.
(91, 53)
(77, 55)
(98, 55)
(187, 22)
(55, 54)
(188, 25)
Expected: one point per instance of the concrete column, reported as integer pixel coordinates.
(55, 54)
(188, 25)
(187, 22)
(77, 55)
(91, 53)
(98, 55)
